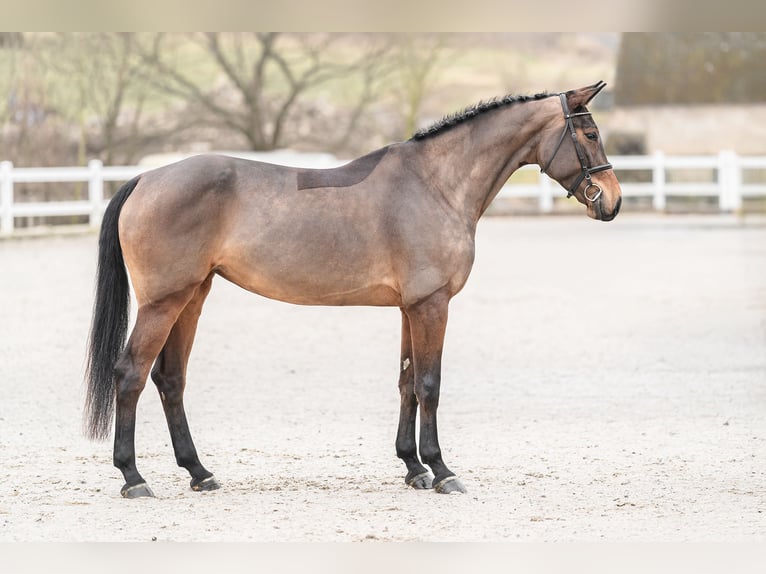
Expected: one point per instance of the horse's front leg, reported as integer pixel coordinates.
(428, 322)
(406, 447)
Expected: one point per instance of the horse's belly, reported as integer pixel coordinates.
(313, 286)
(312, 252)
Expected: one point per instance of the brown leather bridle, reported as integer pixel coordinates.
(585, 170)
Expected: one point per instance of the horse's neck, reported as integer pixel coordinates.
(471, 162)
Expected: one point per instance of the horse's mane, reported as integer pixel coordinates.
(452, 120)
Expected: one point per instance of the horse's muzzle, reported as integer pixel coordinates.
(598, 211)
(615, 211)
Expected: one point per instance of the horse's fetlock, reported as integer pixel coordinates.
(429, 455)
(406, 451)
(184, 461)
(122, 460)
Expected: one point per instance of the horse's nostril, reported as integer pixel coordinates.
(603, 215)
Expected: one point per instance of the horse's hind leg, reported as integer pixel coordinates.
(406, 447)
(153, 324)
(169, 375)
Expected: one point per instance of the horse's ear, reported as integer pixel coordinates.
(581, 97)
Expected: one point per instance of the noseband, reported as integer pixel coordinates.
(585, 170)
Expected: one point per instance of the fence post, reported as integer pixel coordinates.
(729, 180)
(736, 182)
(96, 192)
(658, 180)
(6, 198)
(546, 193)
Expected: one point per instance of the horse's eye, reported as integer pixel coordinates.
(592, 136)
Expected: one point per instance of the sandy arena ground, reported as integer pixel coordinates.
(601, 382)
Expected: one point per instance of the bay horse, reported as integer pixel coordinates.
(393, 228)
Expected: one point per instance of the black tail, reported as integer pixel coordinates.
(110, 320)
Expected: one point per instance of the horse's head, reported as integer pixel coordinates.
(571, 152)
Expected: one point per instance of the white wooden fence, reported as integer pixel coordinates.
(95, 175)
(727, 184)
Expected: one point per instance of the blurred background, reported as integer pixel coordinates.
(616, 370)
(145, 99)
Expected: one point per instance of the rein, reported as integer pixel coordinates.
(585, 170)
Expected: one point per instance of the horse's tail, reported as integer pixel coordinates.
(110, 320)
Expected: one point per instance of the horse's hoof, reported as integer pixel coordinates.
(141, 490)
(450, 485)
(209, 483)
(420, 481)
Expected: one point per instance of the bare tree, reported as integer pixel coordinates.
(25, 110)
(11, 45)
(260, 82)
(418, 59)
(97, 84)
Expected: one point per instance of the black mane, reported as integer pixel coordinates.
(471, 112)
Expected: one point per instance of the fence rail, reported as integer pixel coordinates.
(95, 174)
(727, 183)
(723, 177)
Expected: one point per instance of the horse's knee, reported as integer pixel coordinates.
(427, 392)
(407, 388)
